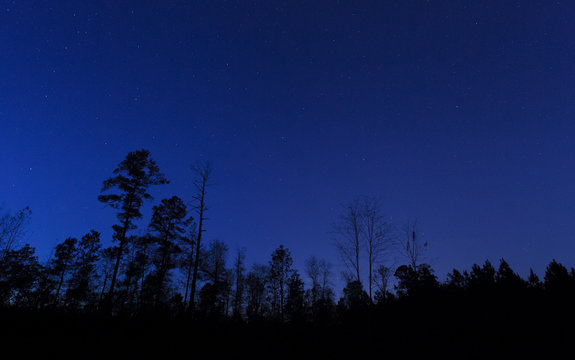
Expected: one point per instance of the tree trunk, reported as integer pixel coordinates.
(197, 254)
(60, 285)
(204, 174)
(188, 279)
(370, 273)
(104, 287)
(119, 255)
(116, 267)
(357, 251)
(162, 274)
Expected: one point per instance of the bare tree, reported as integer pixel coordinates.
(325, 274)
(188, 259)
(213, 266)
(12, 228)
(412, 246)
(214, 293)
(319, 273)
(256, 284)
(362, 226)
(312, 271)
(382, 275)
(376, 233)
(239, 273)
(348, 238)
(203, 173)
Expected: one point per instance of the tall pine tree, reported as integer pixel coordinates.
(132, 178)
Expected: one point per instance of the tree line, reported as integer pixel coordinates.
(172, 270)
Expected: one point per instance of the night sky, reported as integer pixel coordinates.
(459, 113)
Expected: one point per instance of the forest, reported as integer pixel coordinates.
(172, 291)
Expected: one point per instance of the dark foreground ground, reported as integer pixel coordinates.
(513, 328)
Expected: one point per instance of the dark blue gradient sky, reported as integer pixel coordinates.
(460, 113)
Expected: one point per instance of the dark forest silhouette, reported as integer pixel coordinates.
(172, 286)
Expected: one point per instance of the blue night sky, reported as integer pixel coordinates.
(459, 113)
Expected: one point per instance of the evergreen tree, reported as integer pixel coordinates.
(557, 278)
(456, 279)
(295, 301)
(62, 263)
(506, 279)
(168, 228)
(80, 287)
(19, 276)
(413, 282)
(533, 280)
(132, 178)
(354, 297)
(135, 285)
(482, 278)
(106, 269)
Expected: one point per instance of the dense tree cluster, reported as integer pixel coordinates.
(159, 272)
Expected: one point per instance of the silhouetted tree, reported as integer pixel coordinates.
(168, 228)
(256, 284)
(320, 295)
(108, 256)
(12, 228)
(457, 280)
(413, 282)
(132, 178)
(482, 279)
(203, 173)
(506, 279)
(214, 271)
(376, 233)
(325, 277)
(208, 305)
(557, 278)
(312, 268)
(382, 275)
(354, 297)
(319, 273)
(412, 247)
(348, 238)
(187, 260)
(533, 280)
(62, 263)
(80, 287)
(227, 290)
(295, 301)
(280, 270)
(323, 308)
(19, 275)
(239, 280)
(138, 287)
